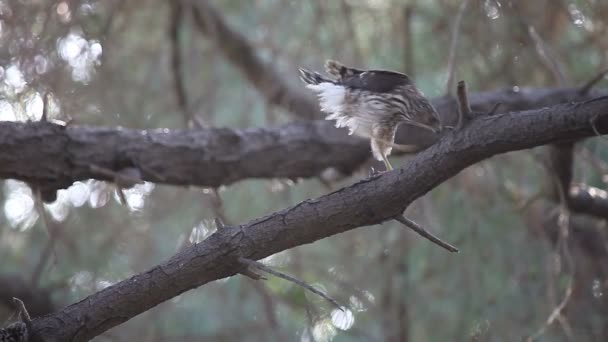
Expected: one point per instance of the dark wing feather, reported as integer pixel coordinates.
(378, 81)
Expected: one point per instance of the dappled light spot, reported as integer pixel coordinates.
(579, 19)
(81, 281)
(82, 55)
(281, 259)
(597, 289)
(136, 196)
(370, 297)
(63, 11)
(13, 78)
(592, 191)
(41, 64)
(88, 8)
(7, 113)
(356, 304)
(34, 106)
(492, 8)
(100, 194)
(60, 208)
(342, 320)
(63, 8)
(200, 232)
(324, 331)
(19, 206)
(101, 284)
(599, 193)
(479, 170)
(379, 4)
(78, 194)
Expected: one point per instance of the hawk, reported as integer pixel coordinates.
(371, 103)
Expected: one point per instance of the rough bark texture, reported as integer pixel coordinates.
(53, 157)
(370, 201)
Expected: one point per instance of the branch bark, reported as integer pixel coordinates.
(52, 157)
(370, 201)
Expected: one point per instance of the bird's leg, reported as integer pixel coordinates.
(386, 163)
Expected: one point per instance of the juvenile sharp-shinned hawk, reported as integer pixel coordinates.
(371, 103)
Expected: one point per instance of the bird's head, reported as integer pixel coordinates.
(425, 116)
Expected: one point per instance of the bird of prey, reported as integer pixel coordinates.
(371, 103)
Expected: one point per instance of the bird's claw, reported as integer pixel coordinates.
(374, 172)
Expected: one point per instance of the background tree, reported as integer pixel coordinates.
(530, 225)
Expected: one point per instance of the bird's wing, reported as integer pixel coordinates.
(378, 81)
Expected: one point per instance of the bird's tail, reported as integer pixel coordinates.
(339, 70)
(311, 77)
(331, 93)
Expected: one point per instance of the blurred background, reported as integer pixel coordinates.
(524, 262)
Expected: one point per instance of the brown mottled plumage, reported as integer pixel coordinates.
(371, 103)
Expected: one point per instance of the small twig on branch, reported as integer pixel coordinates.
(494, 109)
(18, 331)
(463, 99)
(547, 56)
(557, 312)
(425, 233)
(23, 314)
(247, 272)
(49, 253)
(454, 45)
(464, 109)
(125, 178)
(45, 106)
(262, 267)
(177, 65)
(584, 90)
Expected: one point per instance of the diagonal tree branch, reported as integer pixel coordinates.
(370, 201)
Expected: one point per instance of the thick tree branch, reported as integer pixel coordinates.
(370, 201)
(215, 156)
(53, 156)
